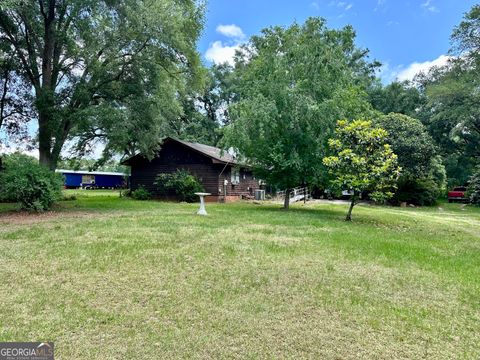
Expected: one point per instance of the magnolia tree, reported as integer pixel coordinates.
(362, 161)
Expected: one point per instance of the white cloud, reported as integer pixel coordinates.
(315, 5)
(417, 67)
(220, 53)
(392, 22)
(428, 5)
(341, 4)
(231, 31)
(388, 73)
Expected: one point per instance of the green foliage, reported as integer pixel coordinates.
(423, 173)
(104, 70)
(292, 85)
(453, 114)
(410, 141)
(465, 36)
(34, 186)
(459, 168)
(397, 97)
(473, 190)
(423, 191)
(181, 184)
(141, 194)
(362, 161)
(438, 173)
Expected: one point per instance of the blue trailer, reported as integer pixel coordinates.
(93, 179)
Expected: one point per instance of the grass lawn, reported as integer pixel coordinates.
(112, 278)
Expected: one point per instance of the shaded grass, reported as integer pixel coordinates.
(109, 278)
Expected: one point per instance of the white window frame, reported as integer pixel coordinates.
(235, 176)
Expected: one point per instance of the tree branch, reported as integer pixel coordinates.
(4, 96)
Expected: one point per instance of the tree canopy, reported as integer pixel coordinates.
(292, 85)
(396, 97)
(98, 70)
(362, 160)
(410, 141)
(452, 111)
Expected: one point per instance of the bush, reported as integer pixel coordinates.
(125, 193)
(141, 194)
(417, 192)
(473, 190)
(180, 184)
(24, 180)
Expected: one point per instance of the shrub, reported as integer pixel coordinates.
(417, 191)
(141, 194)
(473, 190)
(181, 184)
(125, 193)
(25, 181)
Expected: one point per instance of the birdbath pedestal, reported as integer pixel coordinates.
(202, 210)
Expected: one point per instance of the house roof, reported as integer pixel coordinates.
(210, 151)
(216, 154)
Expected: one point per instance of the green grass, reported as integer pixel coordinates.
(106, 277)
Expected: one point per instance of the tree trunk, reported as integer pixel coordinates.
(44, 142)
(349, 214)
(286, 203)
(46, 96)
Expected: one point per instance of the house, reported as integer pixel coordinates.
(219, 172)
(93, 179)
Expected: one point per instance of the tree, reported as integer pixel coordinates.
(397, 97)
(292, 84)
(219, 93)
(362, 161)
(453, 98)
(107, 71)
(410, 141)
(14, 98)
(474, 188)
(423, 174)
(465, 36)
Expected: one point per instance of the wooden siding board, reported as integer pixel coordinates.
(174, 156)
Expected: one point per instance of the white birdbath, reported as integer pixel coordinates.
(202, 210)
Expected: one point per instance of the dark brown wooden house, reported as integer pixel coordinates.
(220, 173)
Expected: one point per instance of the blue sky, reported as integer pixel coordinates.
(406, 36)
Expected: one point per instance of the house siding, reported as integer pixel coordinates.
(174, 156)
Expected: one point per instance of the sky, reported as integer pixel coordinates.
(405, 36)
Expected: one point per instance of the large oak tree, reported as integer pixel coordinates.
(97, 70)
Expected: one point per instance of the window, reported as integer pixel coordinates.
(88, 179)
(235, 176)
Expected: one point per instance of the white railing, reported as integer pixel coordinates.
(296, 194)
